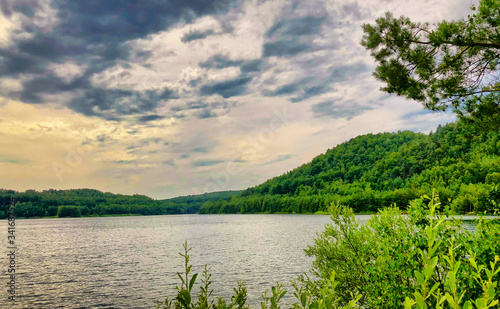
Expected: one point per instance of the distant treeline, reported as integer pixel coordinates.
(89, 202)
(374, 171)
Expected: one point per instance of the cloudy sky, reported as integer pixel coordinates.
(169, 98)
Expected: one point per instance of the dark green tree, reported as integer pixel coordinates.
(69, 211)
(453, 64)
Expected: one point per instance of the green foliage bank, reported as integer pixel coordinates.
(88, 202)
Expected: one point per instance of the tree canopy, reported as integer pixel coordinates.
(84, 202)
(453, 64)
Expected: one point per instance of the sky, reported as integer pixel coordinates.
(168, 98)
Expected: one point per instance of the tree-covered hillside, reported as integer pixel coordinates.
(373, 171)
(78, 202)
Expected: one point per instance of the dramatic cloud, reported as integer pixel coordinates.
(196, 35)
(92, 34)
(229, 88)
(337, 110)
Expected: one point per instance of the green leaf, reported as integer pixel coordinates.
(434, 287)
(303, 299)
(192, 281)
(420, 278)
(184, 297)
(409, 303)
(420, 300)
(450, 300)
(480, 303)
(182, 279)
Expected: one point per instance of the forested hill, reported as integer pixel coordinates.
(89, 202)
(373, 171)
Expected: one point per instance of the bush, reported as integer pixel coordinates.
(422, 259)
(68, 211)
(84, 210)
(52, 211)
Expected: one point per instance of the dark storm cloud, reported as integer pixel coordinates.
(118, 20)
(143, 55)
(290, 36)
(202, 110)
(347, 72)
(251, 66)
(206, 163)
(285, 48)
(189, 106)
(226, 89)
(299, 31)
(285, 89)
(336, 109)
(206, 113)
(219, 62)
(196, 35)
(317, 86)
(32, 88)
(93, 34)
(26, 7)
(302, 89)
(113, 103)
(312, 90)
(148, 118)
(305, 25)
(314, 84)
(201, 150)
(12, 63)
(137, 146)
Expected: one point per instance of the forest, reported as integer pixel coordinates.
(373, 171)
(89, 202)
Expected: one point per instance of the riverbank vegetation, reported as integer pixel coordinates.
(88, 202)
(424, 259)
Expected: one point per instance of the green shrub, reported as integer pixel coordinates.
(84, 210)
(424, 258)
(68, 211)
(52, 211)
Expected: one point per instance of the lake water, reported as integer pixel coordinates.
(129, 262)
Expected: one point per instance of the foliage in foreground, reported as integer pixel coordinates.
(270, 299)
(423, 259)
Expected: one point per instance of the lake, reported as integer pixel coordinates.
(129, 262)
